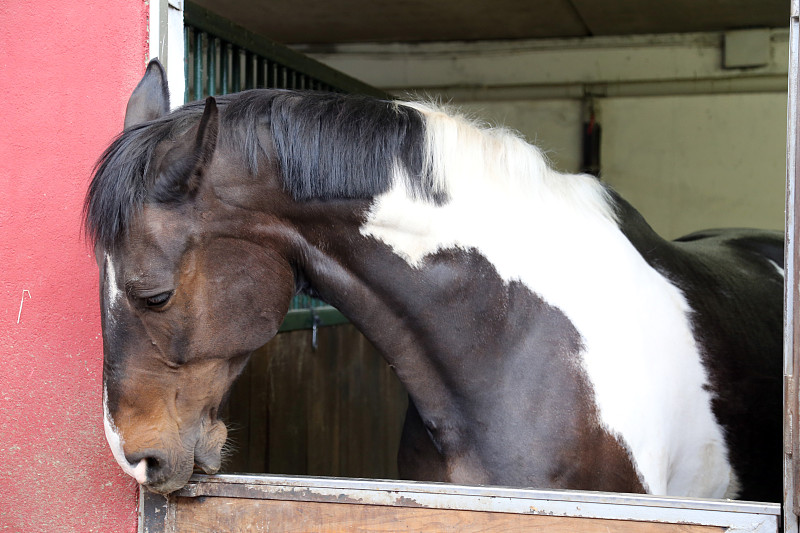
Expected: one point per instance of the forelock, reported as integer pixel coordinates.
(122, 178)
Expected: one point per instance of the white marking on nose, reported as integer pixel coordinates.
(138, 472)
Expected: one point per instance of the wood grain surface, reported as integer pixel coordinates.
(219, 515)
(336, 411)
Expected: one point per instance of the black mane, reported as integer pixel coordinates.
(327, 146)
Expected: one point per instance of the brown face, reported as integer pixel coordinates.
(186, 296)
(183, 306)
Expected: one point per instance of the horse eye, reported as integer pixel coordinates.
(158, 301)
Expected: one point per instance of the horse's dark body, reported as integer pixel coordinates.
(504, 335)
(741, 337)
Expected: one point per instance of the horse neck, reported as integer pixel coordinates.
(376, 250)
(450, 328)
(436, 288)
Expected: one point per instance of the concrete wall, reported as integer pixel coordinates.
(553, 125)
(68, 68)
(690, 142)
(691, 162)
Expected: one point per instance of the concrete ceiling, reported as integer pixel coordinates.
(351, 21)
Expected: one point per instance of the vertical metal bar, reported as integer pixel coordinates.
(248, 70)
(186, 63)
(791, 347)
(283, 78)
(198, 65)
(212, 65)
(261, 80)
(237, 69)
(224, 64)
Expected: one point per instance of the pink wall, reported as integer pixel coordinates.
(67, 69)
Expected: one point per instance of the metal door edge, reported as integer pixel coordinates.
(736, 516)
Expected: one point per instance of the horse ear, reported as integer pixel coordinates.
(206, 141)
(182, 169)
(150, 99)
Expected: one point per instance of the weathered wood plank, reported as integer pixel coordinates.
(238, 432)
(258, 416)
(336, 411)
(288, 374)
(219, 515)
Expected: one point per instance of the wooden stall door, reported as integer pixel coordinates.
(334, 411)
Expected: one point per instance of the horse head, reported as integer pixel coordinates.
(183, 304)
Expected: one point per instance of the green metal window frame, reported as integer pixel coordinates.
(221, 58)
(213, 44)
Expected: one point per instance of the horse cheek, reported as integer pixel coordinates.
(243, 316)
(263, 308)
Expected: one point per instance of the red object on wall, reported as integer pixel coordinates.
(67, 70)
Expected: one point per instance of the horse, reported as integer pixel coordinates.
(547, 337)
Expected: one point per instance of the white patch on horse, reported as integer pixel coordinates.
(113, 293)
(640, 355)
(115, 442)
(777, 267)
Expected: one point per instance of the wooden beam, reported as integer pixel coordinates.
(232, 514)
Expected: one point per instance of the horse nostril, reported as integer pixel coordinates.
(156, 462)
(153, 463)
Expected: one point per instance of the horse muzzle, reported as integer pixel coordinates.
(163, 472)
(165, 468)
(167, 471)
